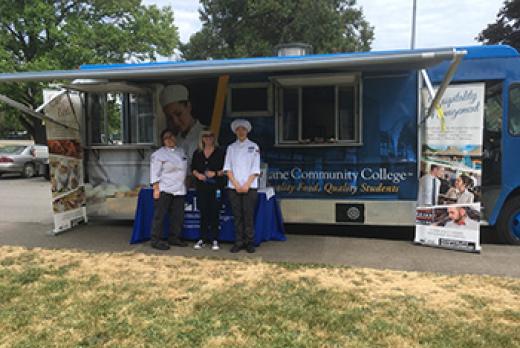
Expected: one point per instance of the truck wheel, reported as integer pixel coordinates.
(509, 222)
(28, 170)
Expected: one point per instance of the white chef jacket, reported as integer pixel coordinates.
(243, 159)
(168, 167)
(190, 142)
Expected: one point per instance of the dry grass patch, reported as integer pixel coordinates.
(68, 298)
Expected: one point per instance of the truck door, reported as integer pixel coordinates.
(513, 124)
(508, 223)
(492, 146)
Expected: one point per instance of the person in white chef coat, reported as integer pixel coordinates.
(168, 168)
(242, 167)
(176, 106)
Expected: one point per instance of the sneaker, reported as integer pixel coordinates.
(178, 242)
(250, 248)
(199, 245)
(236, 248)
(160, 245)
(215, 246)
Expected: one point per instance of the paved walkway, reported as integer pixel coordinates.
(105, 236)
(26, 219)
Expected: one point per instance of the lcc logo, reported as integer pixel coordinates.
(353, 213)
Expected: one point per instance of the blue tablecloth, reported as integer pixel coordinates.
(268, 219)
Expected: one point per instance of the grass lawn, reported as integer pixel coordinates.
(75, 299)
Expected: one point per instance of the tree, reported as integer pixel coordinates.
(245, 28)
(62, 34)
(506, 30)
(9, 123)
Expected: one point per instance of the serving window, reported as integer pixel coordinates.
(249, 99)
(318, 110)
(119, 118)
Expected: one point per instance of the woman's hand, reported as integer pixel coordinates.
(199, 176)
(236, 185)
(244, 188)
(210, 174)
(156, 190)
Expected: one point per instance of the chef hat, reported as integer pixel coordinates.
(240, 122)
(173, 93)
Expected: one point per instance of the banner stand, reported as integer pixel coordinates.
(449, 192)
(65, 159)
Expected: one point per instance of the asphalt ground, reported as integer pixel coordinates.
(26, 220)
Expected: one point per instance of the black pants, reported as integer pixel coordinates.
(243, 206)
(209, 207)
(174, 207)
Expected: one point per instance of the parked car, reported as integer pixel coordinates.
(28, 160)
(18, 135)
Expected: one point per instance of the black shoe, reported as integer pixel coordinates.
(236, 248)
(250, 248)
(178, 242)
(160, 245)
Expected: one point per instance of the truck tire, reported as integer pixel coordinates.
(28, 170)
(508, 224)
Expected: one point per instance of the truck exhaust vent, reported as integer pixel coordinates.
(293, 49)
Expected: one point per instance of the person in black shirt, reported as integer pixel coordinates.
(206, 167)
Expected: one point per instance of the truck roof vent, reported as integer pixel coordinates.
(293, 49)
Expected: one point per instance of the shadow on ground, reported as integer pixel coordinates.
(406, 233)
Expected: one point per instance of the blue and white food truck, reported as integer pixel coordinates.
(340, 134)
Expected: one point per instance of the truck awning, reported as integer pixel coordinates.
(404, 60)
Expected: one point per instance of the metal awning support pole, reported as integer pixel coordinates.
(428, 83)
(41, 107)
(446, 81)
(431, 92)
(31, 112)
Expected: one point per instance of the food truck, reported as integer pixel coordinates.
(340, 134)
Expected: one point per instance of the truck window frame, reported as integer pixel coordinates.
(337, 82)
(267, 109)
(516, 133)
(129, 120)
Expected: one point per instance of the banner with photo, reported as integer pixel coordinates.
(65, 159)
(449, 193)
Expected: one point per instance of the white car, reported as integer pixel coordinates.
(27, 160)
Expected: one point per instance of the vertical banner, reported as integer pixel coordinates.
(449, 194)
(65, 159)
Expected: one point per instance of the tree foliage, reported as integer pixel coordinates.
(9, 123)
(63, 34)
(248, 28)
(506, 30)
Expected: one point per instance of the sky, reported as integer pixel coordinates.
(440, 23)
